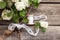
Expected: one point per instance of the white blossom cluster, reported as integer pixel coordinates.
(4, 15)
(43, 24)
(19, 4)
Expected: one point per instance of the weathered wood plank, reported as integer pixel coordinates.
(5, 22)
(13, 36)
(50, 0)
(52, 33)
(51, 10)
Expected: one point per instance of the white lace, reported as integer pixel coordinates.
(28, 29)
(12, 26)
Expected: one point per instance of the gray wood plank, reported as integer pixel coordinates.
(51, 10)
(14, 36)
(50, 0)
(52, 33)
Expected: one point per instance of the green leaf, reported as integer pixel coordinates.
(15, 14)
(30, 1)
(43, 29)
(22, 13)
(10, 14)
(37, 24)
(14, 8)
(25, 20)
(2, 5)
(35, 3)
(16, 18)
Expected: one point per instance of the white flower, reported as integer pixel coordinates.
(26, 2)
(15, 0)
(19, 6)
(4, 15)
(1, 0)
(44, 24)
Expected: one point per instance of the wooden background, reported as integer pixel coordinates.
(51, 8)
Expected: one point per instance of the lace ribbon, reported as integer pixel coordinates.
(12, 26)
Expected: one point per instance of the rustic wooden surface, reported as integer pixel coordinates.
(52, 33)
(52, 10)
(50, 0)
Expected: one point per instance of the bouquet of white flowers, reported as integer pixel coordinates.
(17, 10)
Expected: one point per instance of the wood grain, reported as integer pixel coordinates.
(51, 10)
(50, 0)
(52, 33)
